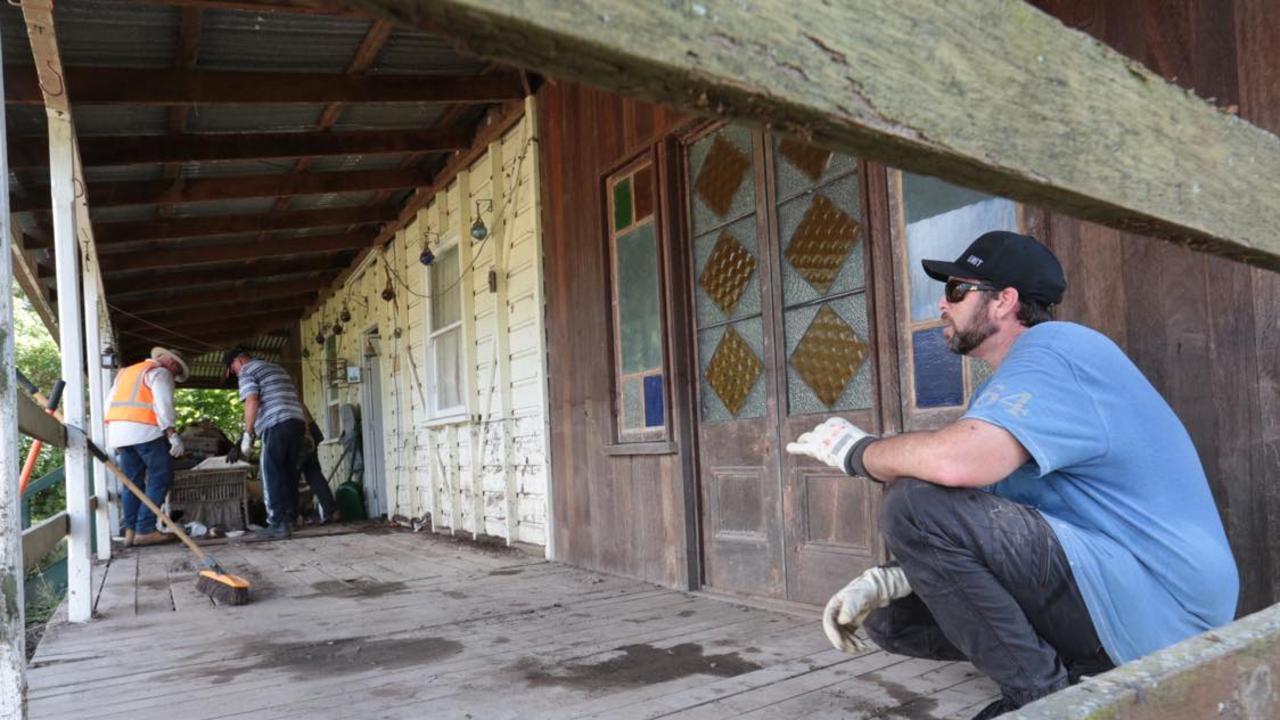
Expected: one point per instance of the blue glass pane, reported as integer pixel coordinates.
(653, 402)
(939, 372)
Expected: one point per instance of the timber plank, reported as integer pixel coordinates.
(1064, 122)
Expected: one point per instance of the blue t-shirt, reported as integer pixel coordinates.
(1116, 476)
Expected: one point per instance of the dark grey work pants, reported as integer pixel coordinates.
(992, 586)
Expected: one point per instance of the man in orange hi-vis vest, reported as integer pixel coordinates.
(140, 427)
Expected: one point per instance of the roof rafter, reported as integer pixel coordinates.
(115, 86)
(112, 233)
(179, 256)
(25, 152)
(202, 295)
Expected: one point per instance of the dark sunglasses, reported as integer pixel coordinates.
(956, 290)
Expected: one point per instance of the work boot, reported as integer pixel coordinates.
(155, 537)
(273, 532)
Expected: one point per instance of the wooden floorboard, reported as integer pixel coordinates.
(395, 624)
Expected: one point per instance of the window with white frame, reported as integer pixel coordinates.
(444, 330)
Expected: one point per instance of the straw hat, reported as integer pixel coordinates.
(158, 352)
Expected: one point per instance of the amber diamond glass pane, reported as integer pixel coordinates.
(733, 370)
(822, 242)
(829, 355)
(721, 175)
(808, 159)
(727, 272)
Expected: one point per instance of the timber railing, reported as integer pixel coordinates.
(39, 541)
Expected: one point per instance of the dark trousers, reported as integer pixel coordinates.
(149, 466)
(991, 585)
(281, 448)
(320, 489)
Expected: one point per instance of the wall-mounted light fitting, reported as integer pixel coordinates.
(427, 257)
(478, 229)
(108, 358)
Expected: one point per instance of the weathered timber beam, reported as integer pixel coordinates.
(186, 190)
(179, 256)
(115, 86)
(148, 299)
(228, 308)
(122, 281)
(29, 152)
(182, 320)
(42, 538)
(992, 94)
(282, 7)
(110, 233)
(34, 422)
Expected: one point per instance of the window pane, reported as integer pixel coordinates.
(639, 304)
(632, 404)
(938, 371)
(448, 366)
(622, 205)
(721, 178)
(446, 295)
(654, 401)
(942, 220)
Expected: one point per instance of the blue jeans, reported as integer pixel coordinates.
(279, 463)
(991, 585)
(149, 466)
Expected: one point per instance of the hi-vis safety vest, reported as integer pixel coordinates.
(132, 398)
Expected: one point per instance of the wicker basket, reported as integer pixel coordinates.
(201, 445)
(213, 497)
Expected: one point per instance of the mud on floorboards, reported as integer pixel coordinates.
(391, 624)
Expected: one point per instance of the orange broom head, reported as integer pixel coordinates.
(227, 589)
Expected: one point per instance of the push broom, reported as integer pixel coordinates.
(213, 581)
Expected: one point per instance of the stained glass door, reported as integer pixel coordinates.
(783, 337)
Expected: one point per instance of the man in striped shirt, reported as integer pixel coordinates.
(273, 412)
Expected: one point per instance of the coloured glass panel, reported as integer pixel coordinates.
(642, 187)
(654, 402)
(709, 310)
(721, 178)
(807, 225)
(639, 301)
(732, 372)
(632, 403)
(939, 379)
(622, 205)
(802, 398)
(791, 180)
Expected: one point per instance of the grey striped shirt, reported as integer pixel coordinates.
(275, 391)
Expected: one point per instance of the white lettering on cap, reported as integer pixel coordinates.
(975, 261)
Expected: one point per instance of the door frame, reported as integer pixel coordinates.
(371, 425)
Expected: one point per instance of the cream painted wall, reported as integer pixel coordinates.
(485, 470)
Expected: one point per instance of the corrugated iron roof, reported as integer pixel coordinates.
(128, 213)
(99, 120)
(237, 168)
(335, 163)
(253, 118)
(278, 42)
(395, 115)
(409, 52)
(332, 200)
(108, 33)
(122, 173)
(248, 206)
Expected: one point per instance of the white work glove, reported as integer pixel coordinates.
(847, 609)
(246, 443)
(832, 442)
(175, 446)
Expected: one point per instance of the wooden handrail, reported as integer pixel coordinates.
(33, 421)
(40, 540)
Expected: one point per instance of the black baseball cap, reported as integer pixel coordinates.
(1007, 259)
(230, 356)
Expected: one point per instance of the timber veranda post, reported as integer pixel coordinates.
(90, 281)
(13, 660)
(71, 344)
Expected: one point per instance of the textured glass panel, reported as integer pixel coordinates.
(654, 402)
(843, 194)
(708, 310)
(753, 404)
(639, 304)
(622, 205)
(724, 162)
(633, 404)
(643, 189)
(789, 180)
(938, 378)
(448, 369)
(446, 295)
(802, 400)
(978, 371)
(942, 220)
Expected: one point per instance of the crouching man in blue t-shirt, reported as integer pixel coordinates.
(1061, 527)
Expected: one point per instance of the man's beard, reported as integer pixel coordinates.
(963, 342)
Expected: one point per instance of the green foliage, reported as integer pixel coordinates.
(36, 355)
(220, 406)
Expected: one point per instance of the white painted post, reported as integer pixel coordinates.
(535, 158)
(93, 350)
(13, 658)
(500, 238)
(71, 343)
